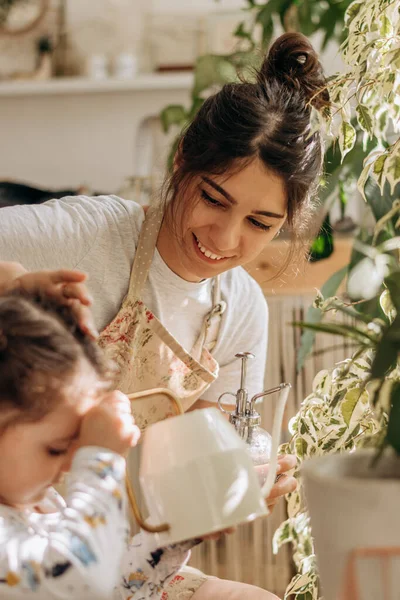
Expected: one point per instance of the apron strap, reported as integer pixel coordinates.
(140, 270)
(145, 251)
(212, 322)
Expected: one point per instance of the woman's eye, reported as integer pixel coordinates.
(56, 451)
(259, 225)
(210, 200)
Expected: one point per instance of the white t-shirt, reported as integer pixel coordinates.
(99, 236)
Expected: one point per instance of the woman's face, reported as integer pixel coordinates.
(234, 216)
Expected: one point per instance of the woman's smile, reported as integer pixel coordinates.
(206, 254)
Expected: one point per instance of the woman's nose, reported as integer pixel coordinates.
(226, 236)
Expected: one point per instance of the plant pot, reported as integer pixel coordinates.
(354, 510)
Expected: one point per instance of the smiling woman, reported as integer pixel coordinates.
(170, 297)
(232, 217)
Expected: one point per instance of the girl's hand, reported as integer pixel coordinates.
(110, 425)
(64, 286)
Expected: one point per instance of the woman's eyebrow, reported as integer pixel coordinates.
(231, 199)
(267, 213)
(219, 189)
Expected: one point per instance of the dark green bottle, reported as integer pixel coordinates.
(322, 246)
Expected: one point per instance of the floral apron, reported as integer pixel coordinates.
(148, 356)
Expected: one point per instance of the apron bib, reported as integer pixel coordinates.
(146, 354)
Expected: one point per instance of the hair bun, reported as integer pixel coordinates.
(293, 61)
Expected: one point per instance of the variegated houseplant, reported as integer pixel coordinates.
(357, 403)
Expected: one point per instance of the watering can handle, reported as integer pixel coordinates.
(276, 438)
(131, 494)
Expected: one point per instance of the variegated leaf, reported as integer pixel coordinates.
(349, 403)
(386, 28)
(352, 11)
(365, 118)
(362, 180)
(393, 170)
(347, 138)
(378, 170)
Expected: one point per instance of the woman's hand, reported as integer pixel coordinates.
(285, 482)
(65, 286)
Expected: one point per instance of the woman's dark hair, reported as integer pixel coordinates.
(41, 345)
(268, 119)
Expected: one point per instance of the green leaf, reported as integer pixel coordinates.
(387, 305)
(264, 18)
(387, 351)
(395, 59)
(196, 105)
(380, 203)
(382, 122)
(314, 315)
(241, 32)
(267, 33)
(328, 24)
(282, 535)
(174, 114)
(266, 11)
(300, 581)
(353, 11)
(329, 445)
(212, 70)
(393, 171)
(246, 63)
(393, 428)
(349, 403)
(378, 171)
(392, 282)
(386, 26)
(301, 447)
(346, 331)
(305, 596)
(347, 138)
(364, 118)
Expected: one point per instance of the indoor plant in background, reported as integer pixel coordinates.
(354, 499)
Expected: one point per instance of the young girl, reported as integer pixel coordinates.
(57, 415)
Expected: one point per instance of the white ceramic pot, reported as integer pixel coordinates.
(355, 519)
(197, 476)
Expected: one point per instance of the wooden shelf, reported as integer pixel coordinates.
(301, 277)
(83, 85)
